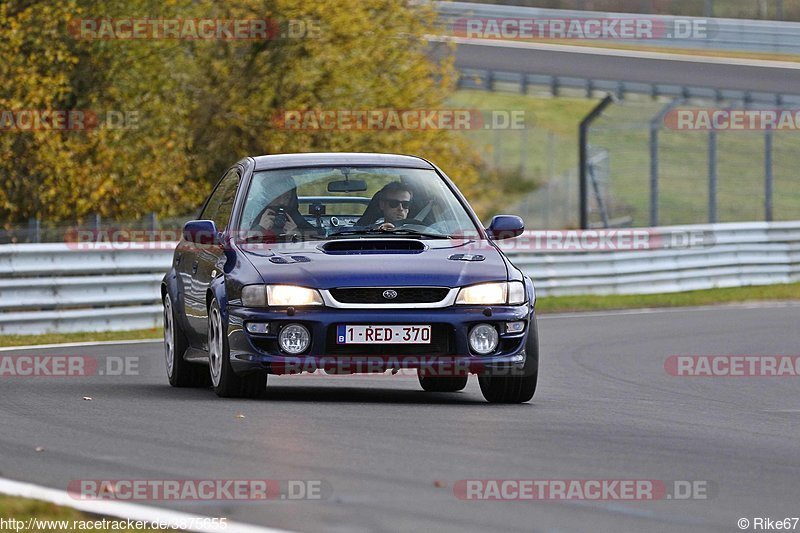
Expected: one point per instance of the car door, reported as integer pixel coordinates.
(207, 261)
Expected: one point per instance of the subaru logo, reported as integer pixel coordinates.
(390, 294)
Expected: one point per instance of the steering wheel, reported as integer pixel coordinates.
(409, 222)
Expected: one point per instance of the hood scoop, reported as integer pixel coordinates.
(373, 246)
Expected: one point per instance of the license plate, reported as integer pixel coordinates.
(383, 334)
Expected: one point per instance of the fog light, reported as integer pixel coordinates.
(515, 327)
(294, 339)
(260, 328)
(483, 339)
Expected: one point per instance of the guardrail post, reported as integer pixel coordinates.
(768, 177)
(712, 177)
(34, 230)
(583, 158)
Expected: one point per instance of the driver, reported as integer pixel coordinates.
(395, 199)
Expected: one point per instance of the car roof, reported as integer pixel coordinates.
(269, 162)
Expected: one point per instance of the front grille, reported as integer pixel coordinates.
(442, 343)
(374, 295)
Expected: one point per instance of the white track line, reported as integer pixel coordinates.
(117, 509)
(616, 52)
(72, 344)
(650, 310)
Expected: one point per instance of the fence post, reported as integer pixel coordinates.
(152, 219)
(96, 222)
(709, 8)
(655, 128)
(712, 177)
(768, 176)
(583, 158)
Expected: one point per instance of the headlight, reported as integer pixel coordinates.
(499, 293)
(279, 295)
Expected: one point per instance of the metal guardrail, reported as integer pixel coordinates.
(61, 288)
(493, 80)
(767, 36)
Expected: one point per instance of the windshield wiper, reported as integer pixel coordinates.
(355, 230)
(406, 231)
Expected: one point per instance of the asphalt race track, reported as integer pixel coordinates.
(391, 453)
(626, 65)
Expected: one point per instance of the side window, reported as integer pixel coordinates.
(220, 204)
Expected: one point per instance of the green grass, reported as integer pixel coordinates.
(561, 304)
(22, 509)
(56, 338)
(548, 148)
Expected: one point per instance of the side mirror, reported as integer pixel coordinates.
(505, 227)
(201, 232)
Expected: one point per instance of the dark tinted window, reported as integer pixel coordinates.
(220, 204)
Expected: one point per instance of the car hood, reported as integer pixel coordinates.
(378, 262)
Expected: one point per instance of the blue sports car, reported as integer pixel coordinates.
(347, 263)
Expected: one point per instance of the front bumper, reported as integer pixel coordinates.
(448, 355)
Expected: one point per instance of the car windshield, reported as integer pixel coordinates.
(290, 205)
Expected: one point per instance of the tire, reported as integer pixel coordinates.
(226, 383)
(515, 389)
(442, 384)
(179, 372)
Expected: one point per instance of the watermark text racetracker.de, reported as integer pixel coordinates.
(589, 28)
(732, 366)
(542, 241)
(134, 28)
(54, 366)
(583, 489)
(25, 120)
(732, 119)
(400, 119)
(199, 490)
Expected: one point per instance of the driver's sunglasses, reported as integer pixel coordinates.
(395, 203)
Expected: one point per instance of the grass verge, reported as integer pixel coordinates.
(56, 338)
(544, 305)
(562, 304)
(22, 510)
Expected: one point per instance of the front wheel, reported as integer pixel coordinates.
(514, 389)
(517, 388)
(226, 383)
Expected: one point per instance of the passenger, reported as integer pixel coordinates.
(281, 217)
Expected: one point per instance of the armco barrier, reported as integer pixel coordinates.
(766, 36)
(57, 288)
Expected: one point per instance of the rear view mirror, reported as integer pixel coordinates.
(347, 186)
